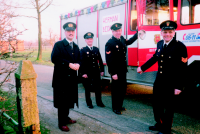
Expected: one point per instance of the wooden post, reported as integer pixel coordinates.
(26, 86)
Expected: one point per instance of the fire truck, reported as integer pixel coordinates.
(146, 15)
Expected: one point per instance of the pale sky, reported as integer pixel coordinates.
(50, 17)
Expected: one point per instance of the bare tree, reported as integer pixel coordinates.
(8, 37)
(8, 33)
(39, 6)
(52, 37)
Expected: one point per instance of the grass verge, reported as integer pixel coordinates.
(46, 57)
(8, 103)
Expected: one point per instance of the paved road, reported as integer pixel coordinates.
(135, 120)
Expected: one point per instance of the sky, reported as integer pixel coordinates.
(50, 17)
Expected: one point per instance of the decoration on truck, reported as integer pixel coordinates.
(99, 6)
(191, 37)
(156, 38)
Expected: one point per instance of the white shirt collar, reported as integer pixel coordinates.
(167, 42)
(68, 40)
(89, 47)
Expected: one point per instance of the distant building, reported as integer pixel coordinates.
(15, 46)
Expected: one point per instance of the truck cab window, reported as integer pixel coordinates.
(190, 12)
(133, 15)
(175, 9)
(154, 12)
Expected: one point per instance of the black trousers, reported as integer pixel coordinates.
(163, 105)
(118, 91)
(92, 84)
(63, 116)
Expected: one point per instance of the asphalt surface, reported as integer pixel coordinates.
(135, 120)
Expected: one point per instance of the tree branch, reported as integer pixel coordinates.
(26, 16)
(47, 5)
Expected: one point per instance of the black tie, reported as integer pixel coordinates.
(71, 44)
(165, 45)
(91, 48)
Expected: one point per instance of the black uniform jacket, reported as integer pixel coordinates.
(91, 61)
(65, 79)
(115, 51)
(171, 68)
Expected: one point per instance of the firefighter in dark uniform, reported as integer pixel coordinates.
(115, 52)
(91, 69)
(66, 59)
(171, 56)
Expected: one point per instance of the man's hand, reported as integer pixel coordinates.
(115, 77)
(85, 76)
(102, 73)
(74, 66)
(177, 91)
(77, 66)
(139, 70)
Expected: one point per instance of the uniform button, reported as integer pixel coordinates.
(161, 55)
(124, 52)
(118, 50)
(161, 72)
(72, 53)
(93, 58)
(161, 61)
(160, 66)
(93, 62)
(169, 56)
(93, 66)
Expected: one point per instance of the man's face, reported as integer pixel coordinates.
(89, 41)
(69, 35)
(117, 33)
(167, 35)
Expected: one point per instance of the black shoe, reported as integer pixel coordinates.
(101, 105)
(155, 127)
(123, 109)
(90, 106)
(117, 111)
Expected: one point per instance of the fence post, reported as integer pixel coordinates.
(26, 86)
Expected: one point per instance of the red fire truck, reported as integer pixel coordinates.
(146, 15)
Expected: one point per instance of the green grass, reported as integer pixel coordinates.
(46, 57)
(10, 105)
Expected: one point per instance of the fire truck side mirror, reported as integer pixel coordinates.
(142, 34)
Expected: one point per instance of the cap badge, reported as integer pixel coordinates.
(116, 25)
(70, 25)
(117, 46)
(167, 23)
(87, 52)
(89, 34)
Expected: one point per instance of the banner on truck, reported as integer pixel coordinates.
(108, 21)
